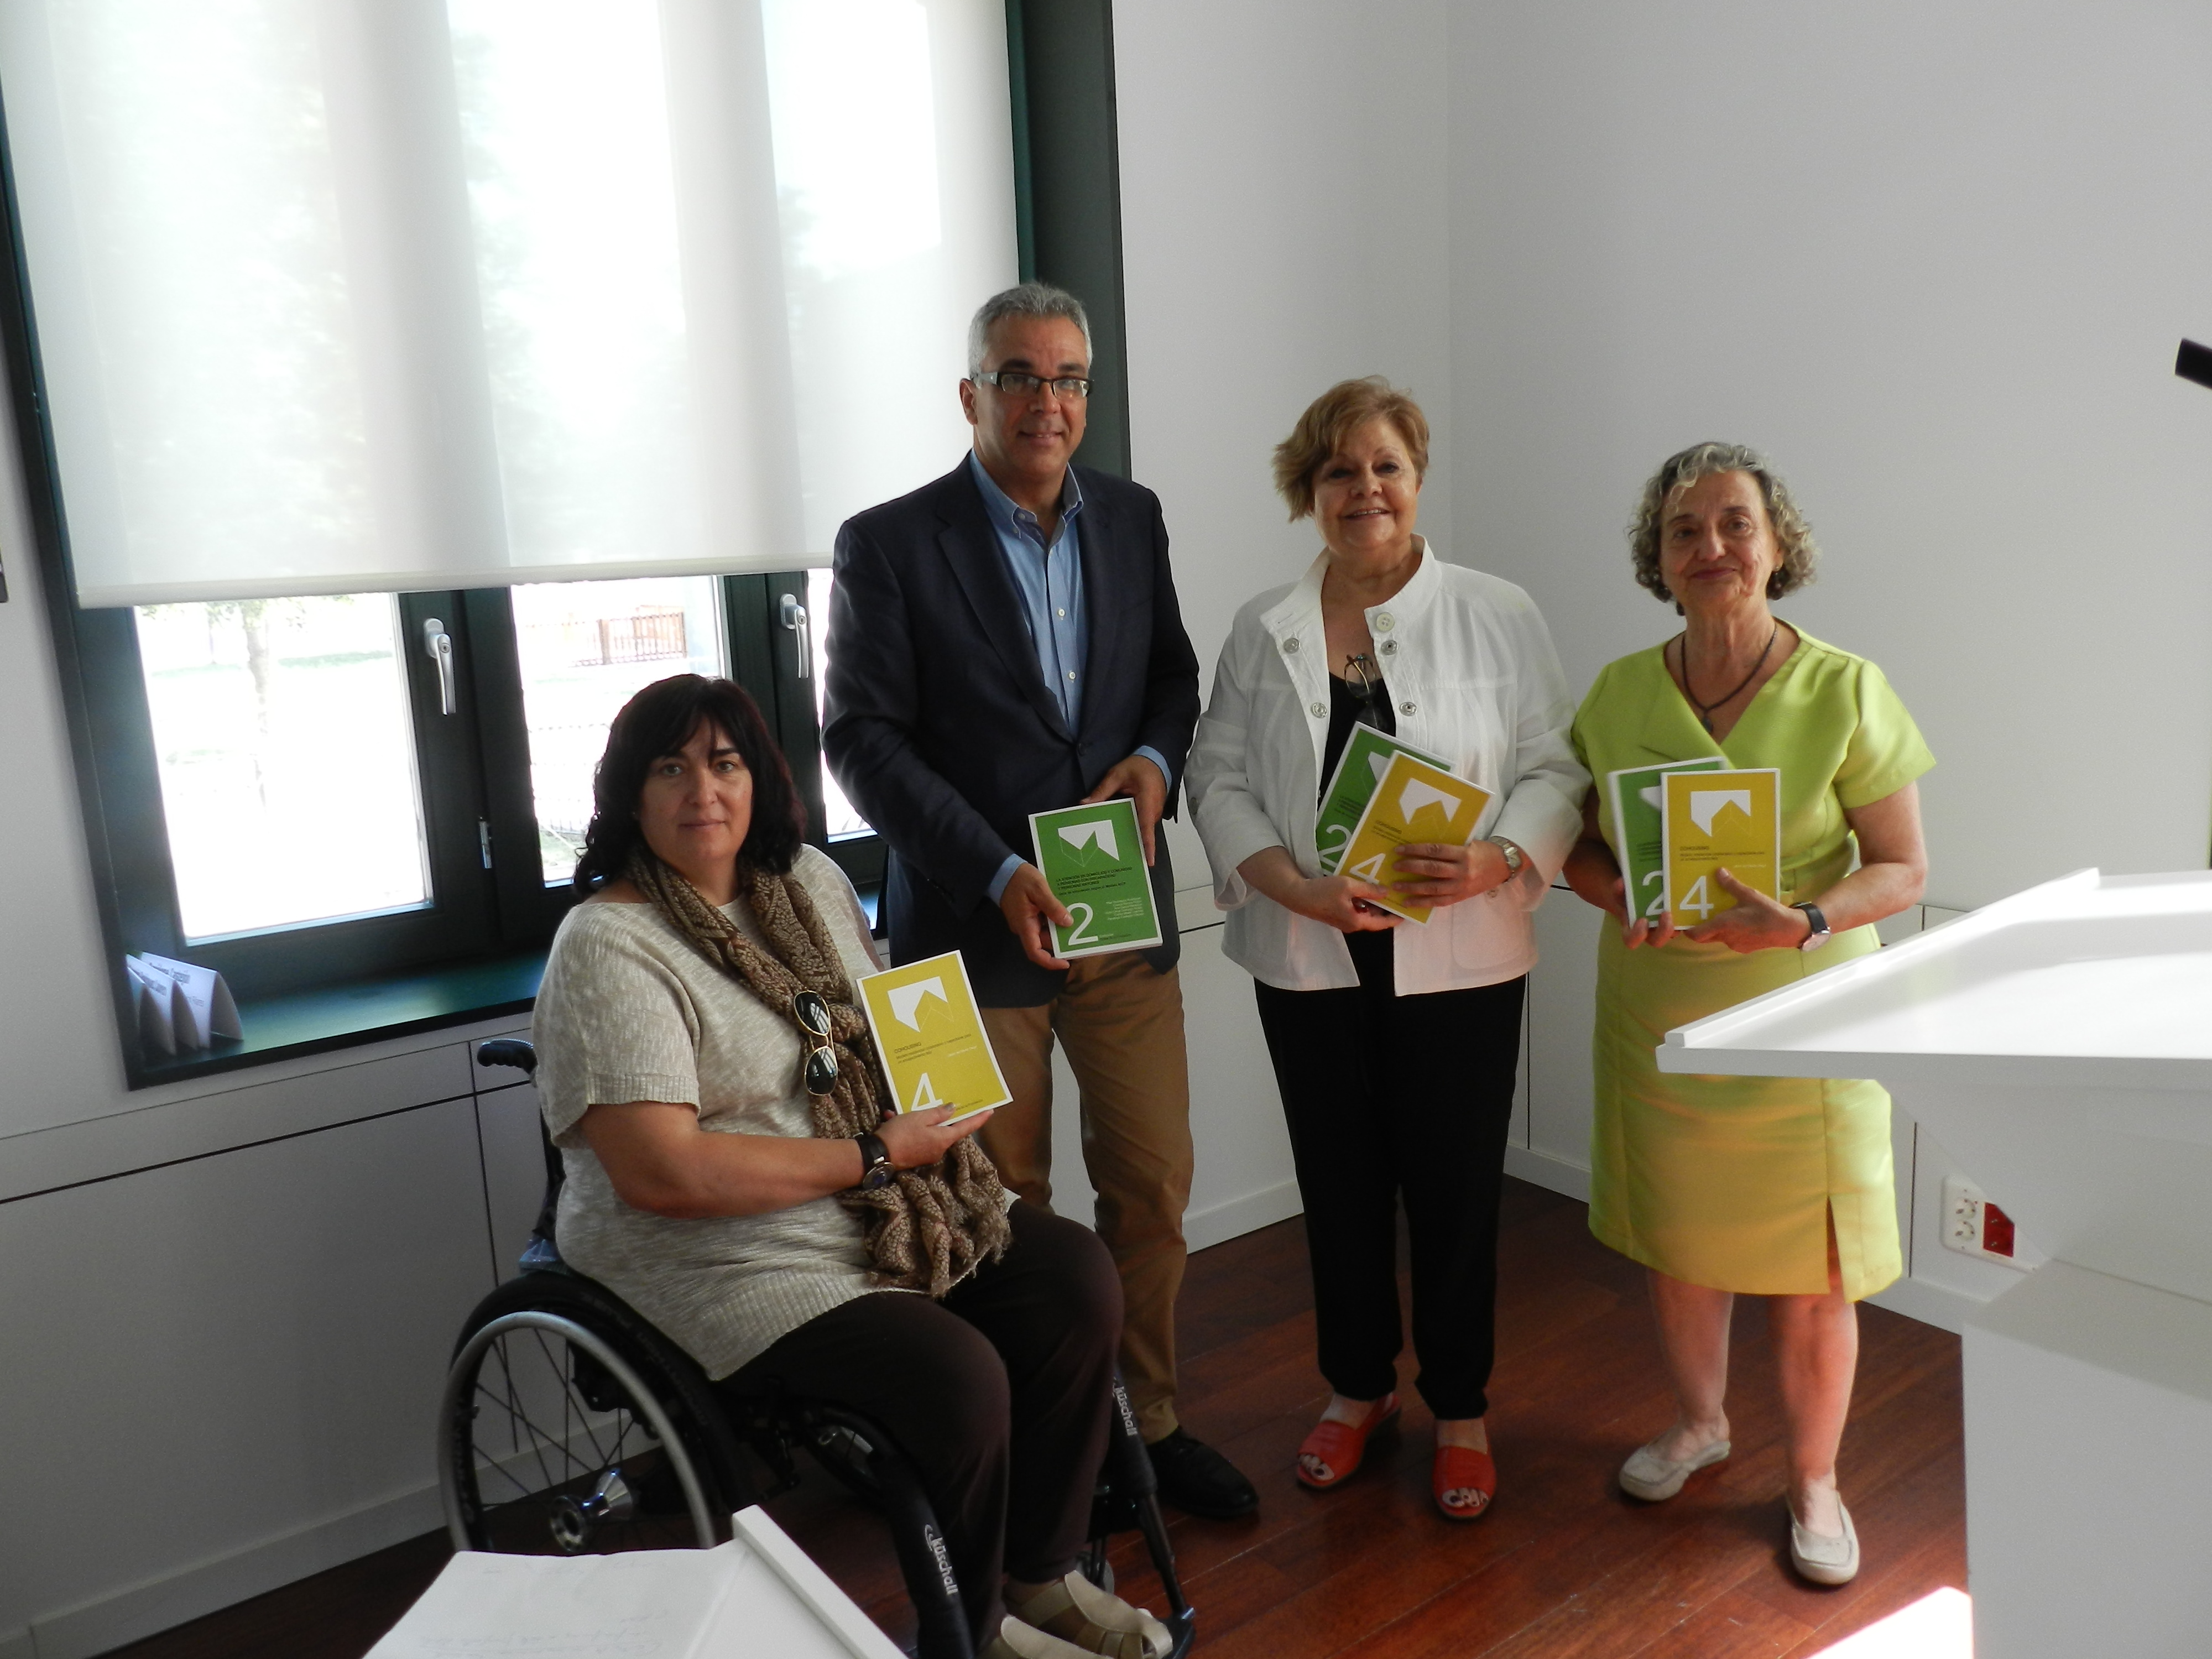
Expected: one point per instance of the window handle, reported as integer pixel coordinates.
(440, 644)
(795, 618)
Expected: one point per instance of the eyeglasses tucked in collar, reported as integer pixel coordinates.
(1364, 680)
(1017, 383)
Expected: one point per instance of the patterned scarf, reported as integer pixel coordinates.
(928, 1227)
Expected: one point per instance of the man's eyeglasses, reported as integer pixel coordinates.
(1015, 383)
(813, 1013)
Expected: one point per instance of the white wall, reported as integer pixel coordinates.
(1934, 256)
(1283, 227)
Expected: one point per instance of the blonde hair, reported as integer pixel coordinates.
(1330, 420)
(1799, 553)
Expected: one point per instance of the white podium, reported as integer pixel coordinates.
(2059, 1044)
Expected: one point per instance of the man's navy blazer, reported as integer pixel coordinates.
(939, 726)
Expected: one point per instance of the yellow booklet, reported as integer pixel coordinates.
(1716, 819)
(1412, 802)
(931, 1038)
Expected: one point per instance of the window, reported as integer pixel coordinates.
(585, 648)
(263, 711)
(841, 818)
(397, 401)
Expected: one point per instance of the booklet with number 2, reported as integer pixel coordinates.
(1095, 865)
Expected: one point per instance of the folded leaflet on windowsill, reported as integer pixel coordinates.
(179, 1007)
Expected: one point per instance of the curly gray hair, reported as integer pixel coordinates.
(1029, 299)
(1791, 533)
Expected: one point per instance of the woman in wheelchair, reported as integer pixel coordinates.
(731, 1174)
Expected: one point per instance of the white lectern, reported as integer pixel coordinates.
(2059, 1044)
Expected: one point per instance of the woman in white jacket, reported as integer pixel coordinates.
(1394, 1046)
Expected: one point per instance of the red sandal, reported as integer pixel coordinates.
(1458, 1471)
(1339, 1447)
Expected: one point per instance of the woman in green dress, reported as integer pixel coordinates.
(1773, 1187)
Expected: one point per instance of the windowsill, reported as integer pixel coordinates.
(366, 1011)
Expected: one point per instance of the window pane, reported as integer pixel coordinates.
(895, 170)
(587, 647)
(563, 114)
(287, 759)
(844, 818)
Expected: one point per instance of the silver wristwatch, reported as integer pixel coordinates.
(1822, 932)
(1515, 859)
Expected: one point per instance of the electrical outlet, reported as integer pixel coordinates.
(1974, 1227)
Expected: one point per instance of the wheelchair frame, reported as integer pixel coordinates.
(618, 1361)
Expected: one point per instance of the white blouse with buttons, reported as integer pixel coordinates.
(1472, 664)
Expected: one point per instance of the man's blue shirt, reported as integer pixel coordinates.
(1048, 579)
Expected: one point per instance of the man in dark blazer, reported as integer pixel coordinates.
(1004, 641)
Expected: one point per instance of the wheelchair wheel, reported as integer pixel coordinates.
(569, 1426)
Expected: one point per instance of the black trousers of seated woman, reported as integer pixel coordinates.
(999, 1395)
(1392, 1099)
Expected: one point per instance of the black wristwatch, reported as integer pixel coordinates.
(1822, 932)
(876, 1169)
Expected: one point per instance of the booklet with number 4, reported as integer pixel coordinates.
(1415, 802)
(1094, 863)
(1359, 773)
(1716, 820)
(1638, 805)
(931, 1038)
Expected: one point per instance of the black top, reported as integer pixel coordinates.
(1349, 706)
(1373, 956)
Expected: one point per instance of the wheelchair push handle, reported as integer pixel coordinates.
(508, 1051)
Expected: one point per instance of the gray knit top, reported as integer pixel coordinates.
(631, 1010)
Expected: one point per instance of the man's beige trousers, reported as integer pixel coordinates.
(1122, 1025)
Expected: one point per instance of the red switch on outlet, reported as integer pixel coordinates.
(1996, 1229)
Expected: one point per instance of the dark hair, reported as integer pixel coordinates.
(659, 720)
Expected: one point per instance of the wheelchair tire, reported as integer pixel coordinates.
(570, 1426)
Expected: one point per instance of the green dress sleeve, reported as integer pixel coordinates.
(1886, 750)
(1579, 735)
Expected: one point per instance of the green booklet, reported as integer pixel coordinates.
(1094, 862)
(1367, 753)
(1637, 798)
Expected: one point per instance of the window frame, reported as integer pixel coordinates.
(474, 952)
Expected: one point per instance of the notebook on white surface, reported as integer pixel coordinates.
(757, 1596)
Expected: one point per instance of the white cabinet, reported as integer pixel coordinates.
(515, 1170)
(1562, 993)
(222, 1369)
(1244, 1178)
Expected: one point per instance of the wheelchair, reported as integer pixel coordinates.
(571, 1425)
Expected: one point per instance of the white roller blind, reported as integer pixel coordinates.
(350, 295)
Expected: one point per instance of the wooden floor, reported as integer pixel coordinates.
(1563, 1566)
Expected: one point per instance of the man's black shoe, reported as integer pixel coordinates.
(1198, 1480)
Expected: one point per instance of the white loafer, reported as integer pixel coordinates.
(1078, 1611)
(1822, 1559)
(1655, 1478)
(1018, 1640)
